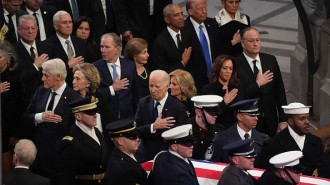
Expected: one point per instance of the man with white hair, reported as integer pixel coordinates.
(31, 53)
(24, 154)
(71, 49)
(295, 137)
(157, 113)
(50, 113)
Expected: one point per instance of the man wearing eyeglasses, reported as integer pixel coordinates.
(204, 123)
(173, 166)
(247, 116)
(83, 152)
(241, 155)
(286, 169)
(122, 166)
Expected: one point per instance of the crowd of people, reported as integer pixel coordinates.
(75, 112)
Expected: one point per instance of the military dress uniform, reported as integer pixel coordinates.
(203, 138)
(82, 159)
(123, 169)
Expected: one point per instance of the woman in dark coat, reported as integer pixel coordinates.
(224, 82)
(231, 21)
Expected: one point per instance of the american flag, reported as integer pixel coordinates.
(208, 173)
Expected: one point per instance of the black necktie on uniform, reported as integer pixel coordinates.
(255, 69)
(156, 111)
(51, 102)
(37, 21)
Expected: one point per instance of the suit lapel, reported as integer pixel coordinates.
(248, 71)
(172, 42)
(44, 100)
(106, 72)
(287, 141)
(60, 49)
(233, 134)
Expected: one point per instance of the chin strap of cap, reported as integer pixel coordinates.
(288, 174)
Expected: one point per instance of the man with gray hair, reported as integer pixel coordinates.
(24, 154)
(157, 113)
(32, 54)
(118, 79)
(171, 48)
(71, 49)
(51, 115)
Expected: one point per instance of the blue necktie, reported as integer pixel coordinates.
(75, 12)
(114, 73)
(51, 102)
(206, 52)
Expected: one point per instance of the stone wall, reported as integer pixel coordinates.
(318, 15)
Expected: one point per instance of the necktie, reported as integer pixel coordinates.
(75, 12)
(32, 52)
(178, 40)
(206, 52)
(37, 21)
(156, 111)
(255, 69)
(51, 102)
(109, 15)
(69, 49)
(114, 73)
(246, 136)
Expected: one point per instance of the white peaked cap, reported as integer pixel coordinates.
(206, 100)
(290, 158)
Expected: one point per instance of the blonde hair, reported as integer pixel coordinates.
(91, 74)
(186, 83)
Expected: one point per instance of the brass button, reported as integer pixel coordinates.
(99, 181)
(122, 159)
(202, 142)
(101, 166)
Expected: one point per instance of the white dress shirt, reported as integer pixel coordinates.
(300, 140)
(258, 63)
(118, 69)
(27, 47)
(64, 45)
(241, 132)
(42, 30)
(196, 26)
(159, 109)
(88, 131)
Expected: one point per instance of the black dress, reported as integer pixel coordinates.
(226, 117)
(190, 107)
(144, 82)
(12, 106)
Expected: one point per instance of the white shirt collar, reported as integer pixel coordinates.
(22, 167)
(178, 155)
(223, 18)
(38, 12)
(27, 46)
(241, 132)
(162, 101)
(117, 63)
(196, 25)
(249, 60)
(300, 140)
(173, 35)
(88, 131)
(60, 90)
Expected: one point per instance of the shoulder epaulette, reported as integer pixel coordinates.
(69, 138)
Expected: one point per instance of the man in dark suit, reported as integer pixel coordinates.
(102, 13)
(173, 165)
(171, 48)
(44, 17)
(140, 18)
(260, 77)
(24, 154)
(241, 154)
(72, 50)
(50, 113)
(10, 11)
(32, 54)
(73, 7)
(118, 79)
(83, 153)
(247, 112)
(122, 167)
(295, 137)
(155, 114)
(204, 33)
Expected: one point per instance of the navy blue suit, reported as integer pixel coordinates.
(151, 143)
(272, 95)
(197, 64)
(125, 101)
(231, 135)
(170, 169)
(48, 135)
(80, 50)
